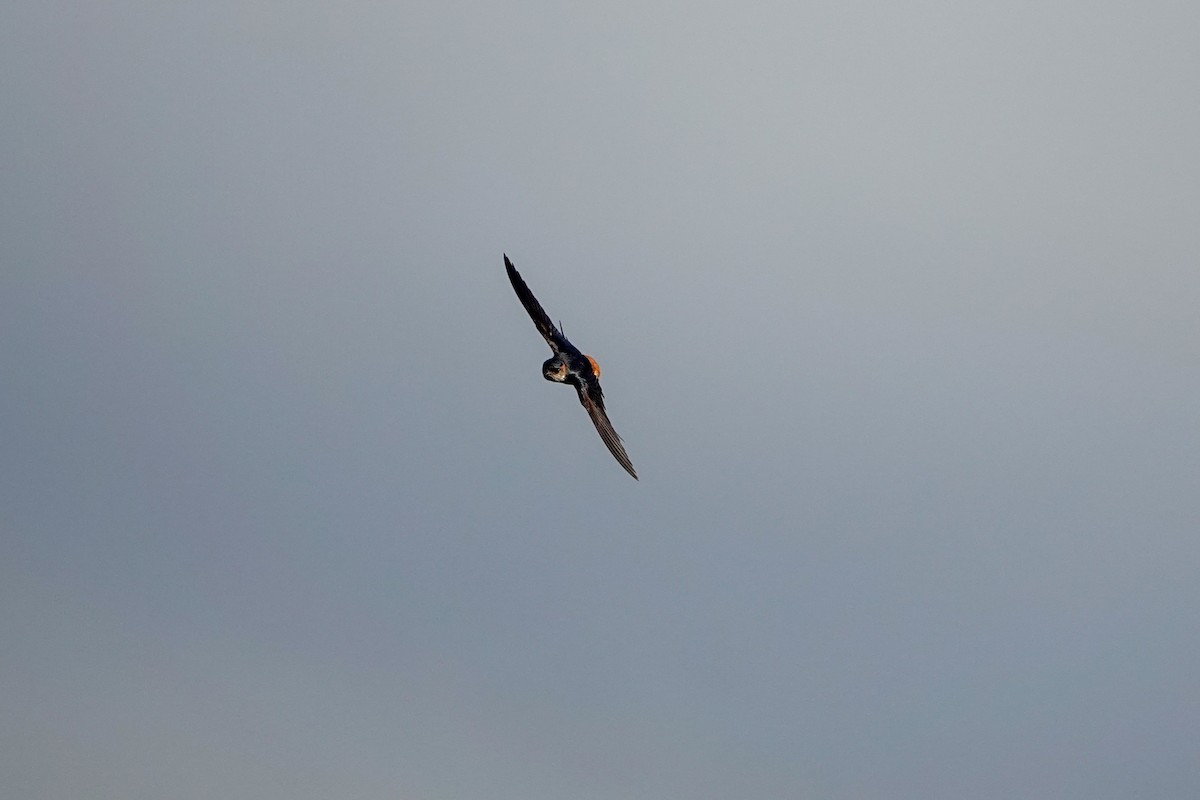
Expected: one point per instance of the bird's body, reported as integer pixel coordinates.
(569, 365)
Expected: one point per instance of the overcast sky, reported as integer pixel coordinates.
(898, 305)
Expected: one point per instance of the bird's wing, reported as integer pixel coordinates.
(554, 337)
(592, 399)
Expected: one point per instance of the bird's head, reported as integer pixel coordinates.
(555, 369)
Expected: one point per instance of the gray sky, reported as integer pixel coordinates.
(897, 305)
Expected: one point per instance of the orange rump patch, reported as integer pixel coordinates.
(595, 366)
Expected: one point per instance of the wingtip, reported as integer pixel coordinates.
(513, 275)
(628, 465)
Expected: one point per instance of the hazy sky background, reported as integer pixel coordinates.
(898, 305)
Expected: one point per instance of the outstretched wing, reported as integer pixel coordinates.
(554, 337)
(592, 398)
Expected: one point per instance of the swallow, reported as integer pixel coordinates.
(568, 365)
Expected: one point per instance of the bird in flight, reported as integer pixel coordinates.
(569, 365)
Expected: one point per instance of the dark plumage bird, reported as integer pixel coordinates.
(569, 365)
